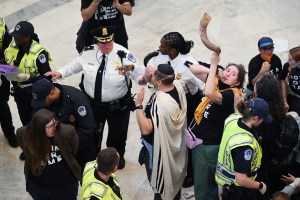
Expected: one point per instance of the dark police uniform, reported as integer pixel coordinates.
(33, 60)
(73, 108)
(5, 114)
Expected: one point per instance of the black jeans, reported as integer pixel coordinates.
(60, 192)
(6, 120)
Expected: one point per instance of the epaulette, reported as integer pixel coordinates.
(188, 63)
(89, 48)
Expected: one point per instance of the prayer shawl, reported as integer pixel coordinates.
(169, 148)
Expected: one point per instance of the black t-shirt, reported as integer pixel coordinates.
(174, 94)
(56, 171)
(294, 78)
(108, 15)
(210, 129)
(255, 66)
(242, 156)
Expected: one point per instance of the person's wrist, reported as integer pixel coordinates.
(139, 107)
(262, 188)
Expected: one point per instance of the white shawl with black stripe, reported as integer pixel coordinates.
(169, 148)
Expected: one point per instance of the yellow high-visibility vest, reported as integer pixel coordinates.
(94, 187)
(234, 137)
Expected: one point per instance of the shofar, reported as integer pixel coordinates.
(203, 35)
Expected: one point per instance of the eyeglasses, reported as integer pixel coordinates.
(267, 48)
(51, 126)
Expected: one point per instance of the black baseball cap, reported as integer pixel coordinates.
(40, 90)
(23, 28)
(260, 108)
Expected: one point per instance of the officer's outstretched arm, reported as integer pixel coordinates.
(55, 75)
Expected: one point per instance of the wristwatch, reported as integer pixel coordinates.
(139, 107)
(261, 185)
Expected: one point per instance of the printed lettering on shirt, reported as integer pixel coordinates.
(108, 12)
(55, 155)
(295, 82)
(206, 113)
(42, 58)
(248, 154)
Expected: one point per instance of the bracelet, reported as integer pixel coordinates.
(261, 185)
(139, 107)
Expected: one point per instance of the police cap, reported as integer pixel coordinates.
(23, 28)
(40, 90)
(104, 34)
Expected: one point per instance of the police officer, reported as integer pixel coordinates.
(32, 60)
(5, 114)
(240, 154)
(99, 175)
(107, 67)
(70, 106)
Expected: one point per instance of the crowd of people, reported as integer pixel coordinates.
(247, 145)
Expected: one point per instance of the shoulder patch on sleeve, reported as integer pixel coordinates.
(89, 48)
(81, 111)
(188, 63)
(248, 154)
(131, 58)
(42, 58)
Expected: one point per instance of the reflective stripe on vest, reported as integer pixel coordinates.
(28, 62)
(2, 31)
(234, 137)
(94, 187)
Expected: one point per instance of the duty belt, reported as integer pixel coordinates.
(222, 170)
(119, 104)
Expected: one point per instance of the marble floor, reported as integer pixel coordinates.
(236, 26)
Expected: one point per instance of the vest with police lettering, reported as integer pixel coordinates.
(94, 187)
(28, 62)
(234, 137)
(2, 32)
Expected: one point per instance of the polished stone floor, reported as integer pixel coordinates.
(236, 26)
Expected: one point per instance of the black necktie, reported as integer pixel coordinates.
(98, 83)
(169, 63)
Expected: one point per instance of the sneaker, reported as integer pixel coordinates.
(22, 156)
(13, 142)
(121, 163)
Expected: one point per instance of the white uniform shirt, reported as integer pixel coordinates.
(113, 84)
(187, 79)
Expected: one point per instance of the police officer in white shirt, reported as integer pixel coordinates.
(107, 69)
(174, 50)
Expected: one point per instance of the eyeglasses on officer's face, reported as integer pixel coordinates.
(53, 125)
(271, 48)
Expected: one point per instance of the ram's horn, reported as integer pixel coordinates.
(203, 35)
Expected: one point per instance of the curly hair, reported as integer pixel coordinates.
(267, 88)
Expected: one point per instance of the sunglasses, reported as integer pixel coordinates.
(267, 48)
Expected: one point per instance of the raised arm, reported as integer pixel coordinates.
(144, 123)
(88, 12)
(124, 8)
(210, 89)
